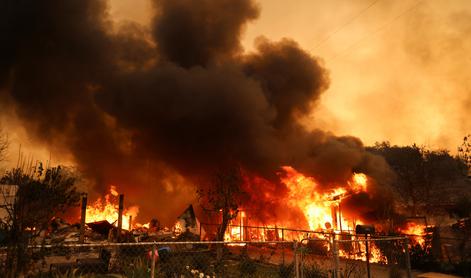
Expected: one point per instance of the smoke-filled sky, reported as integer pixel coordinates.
(400, 70)
(154, 95)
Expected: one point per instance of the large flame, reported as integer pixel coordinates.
(415, 231)
(321, 210)
(108, 209)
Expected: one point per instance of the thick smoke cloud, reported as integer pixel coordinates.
(53, 53)
(291, 79)
(191, 33)
(188, 98)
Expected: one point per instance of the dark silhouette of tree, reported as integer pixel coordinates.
(40, 196)
(464, 152)
(423, 177)
(442, 173)
(223, 196)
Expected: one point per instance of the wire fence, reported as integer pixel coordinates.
(371, 257)
(162, 259)
(208, 231)
(310, 257)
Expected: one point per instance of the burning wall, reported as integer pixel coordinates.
(182, 96)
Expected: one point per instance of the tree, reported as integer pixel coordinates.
(422, 176)
(40, 196)
(443, 173)
(464, 152)
(223, 195)
(407, 163)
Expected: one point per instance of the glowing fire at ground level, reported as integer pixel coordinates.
(322, 211)
(107, 209)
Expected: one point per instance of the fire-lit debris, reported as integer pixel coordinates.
(59, 232)
(188, 226)
(102, 227)
(324, 210)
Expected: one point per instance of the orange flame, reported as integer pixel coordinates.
(321, 209)
(417, 231)
(108, 209)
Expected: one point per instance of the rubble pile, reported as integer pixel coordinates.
(186, 228)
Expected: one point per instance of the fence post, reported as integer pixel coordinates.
(83, 219)
(201, 224)
(120, 216)
(368, 270)
(152, 262)
(406, 250)
(335, 253)
(296, 259)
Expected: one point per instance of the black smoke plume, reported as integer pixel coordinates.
(182, 97)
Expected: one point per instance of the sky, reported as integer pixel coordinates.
(399, 70)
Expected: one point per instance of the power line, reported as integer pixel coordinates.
(349, 21)
(378, 30)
